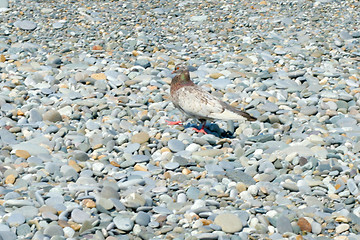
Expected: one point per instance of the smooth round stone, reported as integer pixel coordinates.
(98, 167)
(109, 192)
(176, 145)
(181, 198)
(229, 223)
(309, 110)
(52, 116)
(53, 230)
(29, 212)
(49, 216)
(69, 232)
(198, 18)
(132, 147)
(269, 107)
(123, 223)
(58, 25)
(25, 24)
(143, 63)
(208, 152)
(353, 188)
(92, 125)
(15, 219)
(34, 116)
(315, 227)
(12, 195)
(142, 218)
(105, 203)
(162, 210)
(283, 224)
(193, 193)
(134, 200)
(81, 156)
(140, 137)
(79, 216)
(342, 228)
(171, 165)
(140, 158)
(23, 230)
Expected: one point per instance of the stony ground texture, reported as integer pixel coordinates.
(84, 95)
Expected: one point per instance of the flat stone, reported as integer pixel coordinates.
(176, 145)
(140, 137)
(123, 223)
(79, 216)
(25, 24)
(52, 116)
(229, 223)
(283, 224)
(142, 218)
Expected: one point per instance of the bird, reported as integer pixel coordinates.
(199, 104)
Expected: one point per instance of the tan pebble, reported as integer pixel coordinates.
(102, 156)
(342, 219)
(97, 146)
(98, 76)
(271, 69)
(138, 167)
(240, 186)
(167, 175)
(304, 225)
(165, 149)
(2, 58)
(115, 164)
(186, 171)
(46, 208)
(20, 113)
(353, 78)
(63, 223)
(72, 163)
(206, 222)
(10, 179)
(135, 53)
(272, 99)
(215, 75)
(97, 47)
(342, 228)
(22, 153)
(75, 226)
(89, 203)
(140, 137)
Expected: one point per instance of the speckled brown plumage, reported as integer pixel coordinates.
(198, 103)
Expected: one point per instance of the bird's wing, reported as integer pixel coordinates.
(200, 104)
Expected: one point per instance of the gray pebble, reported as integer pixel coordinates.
(25, 24)
(142, 218)
(123, 223)
(176, 145)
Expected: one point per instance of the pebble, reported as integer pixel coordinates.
(228, 222)
(84, 105)
(123, 223)
(25, 24)
(176, 145)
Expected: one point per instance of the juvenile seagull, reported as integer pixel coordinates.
(198, 103)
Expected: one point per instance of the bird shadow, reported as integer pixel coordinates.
(212, 128)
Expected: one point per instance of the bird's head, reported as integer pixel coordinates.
(180, 68)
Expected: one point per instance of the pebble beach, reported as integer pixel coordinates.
(86, 152)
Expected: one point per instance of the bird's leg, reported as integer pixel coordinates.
(202, 130)
(174, 122)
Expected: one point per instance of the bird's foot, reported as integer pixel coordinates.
(202, 130)
(174, 122)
